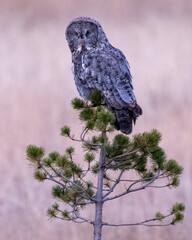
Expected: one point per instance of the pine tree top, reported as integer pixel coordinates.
(140, 153)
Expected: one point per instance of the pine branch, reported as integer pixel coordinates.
(74, 184)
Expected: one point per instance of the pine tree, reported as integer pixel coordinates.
(110, 161)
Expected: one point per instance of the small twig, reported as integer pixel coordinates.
(80, 217)
(85, 172)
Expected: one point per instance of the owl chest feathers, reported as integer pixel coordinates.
(84, 70)
(108, 73)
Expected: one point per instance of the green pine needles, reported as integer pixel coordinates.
(110, 162)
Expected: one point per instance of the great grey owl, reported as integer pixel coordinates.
(98, 65)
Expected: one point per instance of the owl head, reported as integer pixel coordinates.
(84, 34)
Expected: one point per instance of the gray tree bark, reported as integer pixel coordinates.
(99, 196)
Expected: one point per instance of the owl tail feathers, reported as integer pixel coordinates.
(123, 121)
(136, 111)
(125, 118)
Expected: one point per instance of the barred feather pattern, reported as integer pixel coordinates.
(97, 64)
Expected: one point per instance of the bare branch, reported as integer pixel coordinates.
(51, 178)
(125, 154)
(61, 218)
(134, 190)
(71, 219)
(114, 185)
(163, 186)
(82, 137)
(74, 215)
(74, 139)
(82, 218)
(115, 165)
(136, 224)
(124, 163)
(93, 185)
(144, 223)
(85, 172)
(142, 179)
(144, 186)
(120, 156)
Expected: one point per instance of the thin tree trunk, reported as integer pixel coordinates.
(99, 195)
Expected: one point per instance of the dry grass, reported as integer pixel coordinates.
(37, 86)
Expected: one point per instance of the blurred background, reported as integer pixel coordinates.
(36, 88)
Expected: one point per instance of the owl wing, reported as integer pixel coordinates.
(108, 71)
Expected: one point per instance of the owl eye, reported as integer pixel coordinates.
(88, 33)
(76, 34)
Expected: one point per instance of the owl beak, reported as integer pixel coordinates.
(83, 43)
(81, 46)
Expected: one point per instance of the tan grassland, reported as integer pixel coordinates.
(36, 87)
